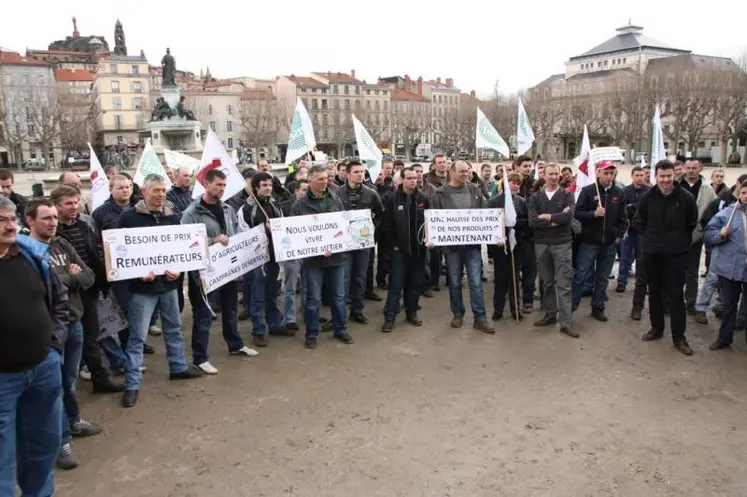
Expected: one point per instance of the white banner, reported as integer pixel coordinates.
(244, 252)
(111, 317)
(599, 154)
(134, 252)
(300, 237)
(464, 227)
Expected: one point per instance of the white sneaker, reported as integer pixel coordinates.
(84, 374)
(245, 351)
(207, 368)
(143, 369)
(155, 331)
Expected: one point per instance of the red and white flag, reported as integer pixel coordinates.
(587, 174)
(214, 156)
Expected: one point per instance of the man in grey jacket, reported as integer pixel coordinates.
(550, 215)
(220, 223)
(459, 193)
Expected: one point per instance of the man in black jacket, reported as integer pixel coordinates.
(355, 195)
(401, 222)
(77, 229)
(324, 268)
(550, 215)
(180, 194)
(6, 190)
(631, 246)
(524, 166)
(506, 277)
(604, 220)
(151, 293)
(34, 310)
(666, 217)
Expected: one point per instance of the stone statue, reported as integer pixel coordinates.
(168, 64)
(162, 110)
(183, 112)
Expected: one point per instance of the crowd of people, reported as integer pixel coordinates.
(567, 242)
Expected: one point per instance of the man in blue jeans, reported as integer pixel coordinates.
(324, 268)
(355, 195)
(41, 218)
(292, 269)
(153, 292)
(460, 193)
(631, 245)
(220, 223)
(34, 310)
(603, 218)
(260, 207)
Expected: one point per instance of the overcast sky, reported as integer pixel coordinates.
(517, 43)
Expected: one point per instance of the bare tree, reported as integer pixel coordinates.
(410, 123)
(16, 125)
(258, 117)
(729, 108)
(546, 115)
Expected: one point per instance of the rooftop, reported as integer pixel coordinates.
(306, 82)
(628, 38)
(405, 96)
(14, 58)
(602, 74)
(257, 94)
(72, 75)
(124, 58)
(339, 78)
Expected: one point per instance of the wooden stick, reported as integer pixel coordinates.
(513, 282)
(736, 204)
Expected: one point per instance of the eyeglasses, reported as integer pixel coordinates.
(8, 220)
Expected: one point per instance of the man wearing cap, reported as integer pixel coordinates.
(604, 221)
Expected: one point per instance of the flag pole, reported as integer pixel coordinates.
(513, 282)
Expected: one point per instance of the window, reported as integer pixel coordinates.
(347, 90)
(357, 105)
(368, 104)
(117, 121)
(306, 102)
(347, 104)
(313, 90)
(324, 104)
(230, 143)
(113, 68)
(229, 109)
(324, 91)
(334, 89)
(212, 125)
(625, 60)
(315, 104)
(41, 79)
(120, 139)
(701, 144)
(386, 106)
(117, 103)
(229, 126)
(324, 119)
(210, 109)
(137, 103)
(357, 90)
(115, 86)
(29, 115)
(137, 87)
(25, 79)
(368, 92)
(713, 144)
(324, 134)
(135, 69)
(31, 129)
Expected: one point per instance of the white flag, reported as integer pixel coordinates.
(214, 156)
(301, 139)
(587, 174)
(524, 134)
(367, 149)
(150, 164)
(235, 157)
(657, 144)
(176, 161)
(509, 211)
(486, 136)
(99, 181)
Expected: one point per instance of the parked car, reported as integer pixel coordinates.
(33, 165)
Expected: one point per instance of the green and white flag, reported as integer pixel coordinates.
(524, 133)
(301, 139)
(367, 149)
(150, 164)
(486, 136)
(658, 152)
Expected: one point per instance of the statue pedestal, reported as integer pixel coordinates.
(171, 96)
(175, 133)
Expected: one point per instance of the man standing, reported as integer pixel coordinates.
(703, 194)
(220, 224)
(384, 185)
(41, 218)
(77, 229)
(403, 216)
(180, 194)
(355, 195)
(259, 209)
(292, 270)
(604, 221)
(6, 190)
(631, 246)
(153, 292)
(325, 268)
(523, 164)
(69, 178)
(437, 177)
(666, 217)
(34, 309)
(550, 215)
(459, 193)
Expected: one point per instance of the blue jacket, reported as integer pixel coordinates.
(106, 216)
(180, 198)
(729, 255)
(37, 253)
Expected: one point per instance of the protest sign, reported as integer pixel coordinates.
(464, 227)
(111, 317)
(300, 237)
(134, 252)
(244, 252)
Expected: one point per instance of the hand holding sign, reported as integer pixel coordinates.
(171, 276)
(149, 277)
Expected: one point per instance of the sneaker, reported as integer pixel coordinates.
(245, 351)
(83, 428)
(84, 374)
(310, 343)
(387, 327)
(187, 374)
(66, 458)
(547, 320)
(155, 331)
(484, 326)
(701, 317)
(207, 368)
(344, 337)
(527, 308)
(259, 340)
(456, 321)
